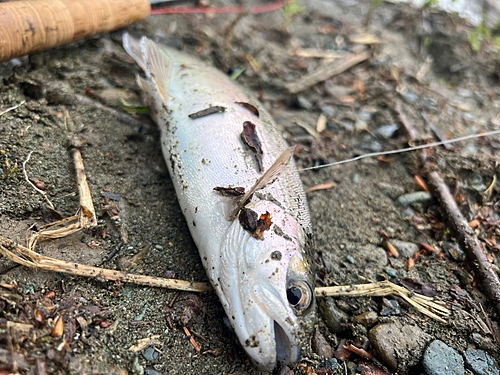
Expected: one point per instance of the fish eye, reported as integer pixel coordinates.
(299, 295)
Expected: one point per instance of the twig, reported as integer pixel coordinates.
(29, 258)
(87, 213)
(33, 185)
(12, 108)
(327, 71)
(473, 249)
(191, 339)
(475, 253)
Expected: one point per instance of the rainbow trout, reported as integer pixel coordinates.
(241, 195)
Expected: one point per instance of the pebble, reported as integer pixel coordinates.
(387, 131)
(405, 249)
(149, 371)
(370, 146)
(453, 250)
(480, 362)
(390, 307)
(328, 110)
(399, 346)
(331, 363)
(371, 256)
(440, 359)
(411, 198)
(320, 346)
(409, 96)
(390, 271)
(149, 354)
(303, 102)
(333, 317)
(367, 318)
(392, 191)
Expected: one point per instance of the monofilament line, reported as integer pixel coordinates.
(399, 151)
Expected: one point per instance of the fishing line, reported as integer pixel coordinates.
(400, 151)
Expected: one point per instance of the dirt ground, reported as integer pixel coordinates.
(421, 60)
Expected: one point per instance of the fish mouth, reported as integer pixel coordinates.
(285, 352)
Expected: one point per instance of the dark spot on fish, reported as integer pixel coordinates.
(205, 258)
(236, 191)
(195, 210)
(194, 223)
(251, 342)
(207, 111)
(250, 107)
(233, 317)
(250, 138)
(267, 261)
(248, 219)
(276, 255)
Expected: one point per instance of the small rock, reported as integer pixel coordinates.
(284, 370)
(390, 307)
(150, 371)
(59, 92)
(392, 191)
(367, 318)
(370, 146)
(480, 362)
(333, 317)
(409, 96)
(399, 346)
(390, 271)
(405, 249)
(387, 131)
(303, 102)
(149, 354)
(320, 346)
(328, 110)
(440, 359)
(137, 368)
(454, 251)
(331, 363)
(411, 198)
(371, 256)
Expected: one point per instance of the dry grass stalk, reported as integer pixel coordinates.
(426, 305)
(29, 258)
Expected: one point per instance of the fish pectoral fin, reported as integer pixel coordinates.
(158, 66)
(267, 178)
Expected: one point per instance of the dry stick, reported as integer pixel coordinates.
(487, 275)
(327, 71)
(475, 253)
(87, 213)
(30, 258)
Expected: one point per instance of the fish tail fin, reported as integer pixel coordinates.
(156, 63)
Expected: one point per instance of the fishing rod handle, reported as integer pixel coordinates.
(30, 26)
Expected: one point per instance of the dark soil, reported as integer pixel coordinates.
(424, 62)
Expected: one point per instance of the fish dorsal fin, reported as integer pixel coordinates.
(267, 178)
(158, 66)
(153, 61)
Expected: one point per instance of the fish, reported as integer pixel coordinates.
(255, 240)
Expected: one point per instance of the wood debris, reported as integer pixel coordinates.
(327, 71)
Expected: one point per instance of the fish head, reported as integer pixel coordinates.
(265, 285)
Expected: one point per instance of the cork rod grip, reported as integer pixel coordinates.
(29, 26)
